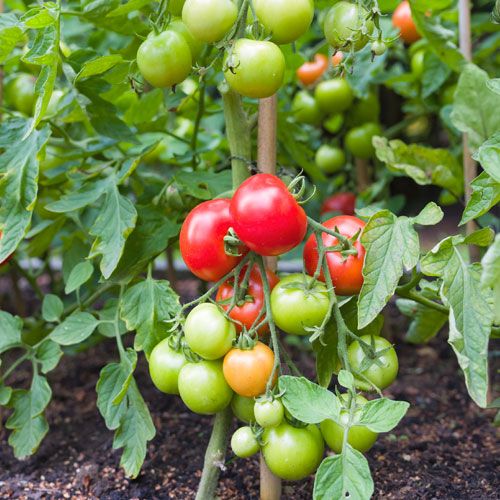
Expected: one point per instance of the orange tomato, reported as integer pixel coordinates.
(402, 19)
(337, 58)
(309, 72)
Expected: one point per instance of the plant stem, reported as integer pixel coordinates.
(362, 174)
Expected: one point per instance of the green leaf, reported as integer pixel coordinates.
(74, 329)
(347, 474)
(52, 308)
(491, 275)
(11, 33)
(39, 17)
(426, 322)
(488, 155)
(382, 415)
(485, 195)
(48, 353)
(10, 328)
(308, 402)
(430, 215)
(79, 275)
(204, 185)
(128, 7)
(346, 379)
(435, 74)
(5, 394)
(327, 360)
(107, 314)
(98, 66)
(82, 197)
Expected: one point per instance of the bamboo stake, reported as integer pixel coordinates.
(362, 174)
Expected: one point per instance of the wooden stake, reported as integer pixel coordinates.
(362, 174)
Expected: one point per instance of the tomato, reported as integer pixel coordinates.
(253, 302)
(330, 159)
(417, 63)
(203, 388)
(337, 58)
(382, 372)
(209, 20)
(334, 96)
(365, 110)
(448, 95)
(164, 366)
(243, 408)
(243, 442)
(266, 216)
(293, 453)
(306, 109)
(334, 123)
(346, 273)
(402, 19)
(360, 437)
(257, 68)
(269, 413)
(247, 371)
(286, 20)
(175, 7)
(208, 333)
(202, 240)
(379, 47)
(359, 140)
(195, 45)
(309, 72)
(20, 93)
(298, 304)
(344, 24)
(164, 60)
(345, 203)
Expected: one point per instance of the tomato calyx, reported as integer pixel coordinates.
(345, 245)
(246, 341)
(232, 244)
(297, 188)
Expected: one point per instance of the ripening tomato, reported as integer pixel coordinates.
(334, 96)
(243, 442)
(267, 218)
(346, 273)
(243, 408)
(286, 20)
(165, 365)
(330, 159)
(256, 68)
(310, 72)
(403, 20)
(247, 312)
(337, 58)
(359, 140)
(202, 240)
(165, 59)
(345, 203)
(247, 371)
(306, 109)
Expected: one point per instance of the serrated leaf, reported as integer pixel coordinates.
(346, 379)
(48, 353)
(11, 33)
(128, 7)
(106, 314)
(38, 17)
(52, 308)
(74, 329)
(382, 415)
(204, 185)
(491, 275)
(435, 74)
(82, 197)
(79, 275)
(430, 215)
(5, 394)
(488, 155)
(98, 66)
(327, 360)
(485, 195)
(10, 328)
(425, 322)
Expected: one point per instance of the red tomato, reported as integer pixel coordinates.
(267, 218)
(345, 203)
(346, 274)
(248, 312)
(202, 240)
(337, 58)
(402, 19)
(309, 72)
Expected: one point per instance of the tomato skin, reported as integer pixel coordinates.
(347, 276)
(20, 93)
(287, 20)
(202, 240)
(164, 367)
(417, 63)
(365, 110)
(310, 72)
(334, 96)
(379, 48)
(267, 218)
(259, 68)
(250, 310)
(209, 20)
(243, 408)
(295, 308)
(330, 159)
(269, 413)
(306, 109)
(382, 376)
(403, 20)
(243, 442)
(359, 140)
(247, 371)
(203, 388)
(195, 45)
(292, 453)
(337, 58)
(345, 203)
(341, 21)
(334, 123)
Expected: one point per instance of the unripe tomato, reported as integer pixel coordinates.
(345, 203)
(248, 371)
(330, 159)
(269, 413)
(309, 72)
(195, 45)
(257, 68)
(203, 388)
(359, 140)
(293, 453)
(346, 273)
(364, 110)
(243, 442)
(20, 93)
(164, 60)
(164, 367)
(417, 63)
(209, 20)
(243, 408)
(267, 218)
(334, 96)
(402, 19)
(286, 20)
(306, 109)
(379, 47)
(334, 123)
(202, 240)
(344, 24)
(208, 333)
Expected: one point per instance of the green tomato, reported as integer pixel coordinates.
(20, 93)
(292, 453)
(296, 305)
(334, 96)
(203, 388)
(164, 366)
(209, 20)
(364, 110)
(269, 413)
(330, 159)
(383, 372)
(164, 60)
(359, 140)
(286, 20)
(243, 443)
(334, 123)
(257, 68)
(195, 45)
(417, 63)
(379, 47)
(175, 7)
(243, 408)
(306, 109)
(208, 332)
(346, 26)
